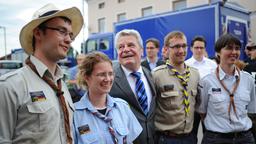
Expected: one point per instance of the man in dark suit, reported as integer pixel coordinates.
(129, 48)
(152, 49)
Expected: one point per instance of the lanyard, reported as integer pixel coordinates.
(231, 93)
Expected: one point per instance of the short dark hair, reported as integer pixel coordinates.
(198, 38)
(225, 40)
(154, 41)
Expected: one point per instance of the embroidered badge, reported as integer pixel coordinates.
(37, 96)
(216, 90)
(84, 129)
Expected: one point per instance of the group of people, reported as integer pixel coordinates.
(135, 101)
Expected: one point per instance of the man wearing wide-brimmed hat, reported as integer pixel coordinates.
(35, 105)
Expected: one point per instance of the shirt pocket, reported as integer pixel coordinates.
(169, 100)
(219, 104)
(122, 132)
(42, 114)
(89, 138)
(242, 103)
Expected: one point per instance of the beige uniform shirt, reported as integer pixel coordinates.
(170, 113)
(29, 108)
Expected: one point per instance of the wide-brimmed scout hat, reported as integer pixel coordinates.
(45, 13)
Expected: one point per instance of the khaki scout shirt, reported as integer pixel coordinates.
(30, 111)
(170, 113)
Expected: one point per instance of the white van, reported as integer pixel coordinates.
(9, 65)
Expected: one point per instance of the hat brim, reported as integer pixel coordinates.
(26, 34)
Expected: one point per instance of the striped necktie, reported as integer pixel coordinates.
(141, 92)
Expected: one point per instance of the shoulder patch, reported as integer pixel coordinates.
(160, 67)
(246, 73)
(7, 75)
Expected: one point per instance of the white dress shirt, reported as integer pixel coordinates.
(132, 80)
(204, 67)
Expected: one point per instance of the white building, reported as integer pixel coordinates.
(103, 13)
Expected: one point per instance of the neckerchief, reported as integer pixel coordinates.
(108, 120)
(231, 94)
(59, 94)
(184, 82)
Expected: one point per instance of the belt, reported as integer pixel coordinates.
(172, 135)
(231, 134)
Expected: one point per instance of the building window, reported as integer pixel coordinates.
(179, 5)
(101, 5)
(147, 11)
(120, 1)
(121, 17)
(101, 24)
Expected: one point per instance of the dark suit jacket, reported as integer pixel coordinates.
(122, 89)
(146, 64)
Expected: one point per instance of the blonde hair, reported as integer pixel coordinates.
(173, 34)
(87, 66)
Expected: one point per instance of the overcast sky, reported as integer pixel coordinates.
(14, 14)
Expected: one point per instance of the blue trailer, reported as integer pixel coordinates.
(210, 21)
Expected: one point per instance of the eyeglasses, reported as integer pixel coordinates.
(62, 31)
(199, 47)
(177, 46)
(105, 74)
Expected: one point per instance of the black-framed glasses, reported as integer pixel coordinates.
(177, 46)
(62, 31)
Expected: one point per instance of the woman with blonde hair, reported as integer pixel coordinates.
(100, 118)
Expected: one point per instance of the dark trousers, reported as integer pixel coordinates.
(188, 139)
(196, 123)
(228, 138)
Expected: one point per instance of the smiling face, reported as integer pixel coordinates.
(129, 52)
(52, 44)
(101, 79)
(229, 54)
(177, 50)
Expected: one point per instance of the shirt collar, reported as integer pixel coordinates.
(128, 72)
(85, 103)
(222, 74)
(43, 69)
(153, 62)
(196, 61)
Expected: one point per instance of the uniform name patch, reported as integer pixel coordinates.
(84, 129)
(167, 88)
(37, 96)
(216, 90)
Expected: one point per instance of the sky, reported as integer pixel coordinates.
(14, 14)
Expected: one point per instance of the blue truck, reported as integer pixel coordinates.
(210, 21)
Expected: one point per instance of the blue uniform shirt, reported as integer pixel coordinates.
(215, 101)
(95, 130)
